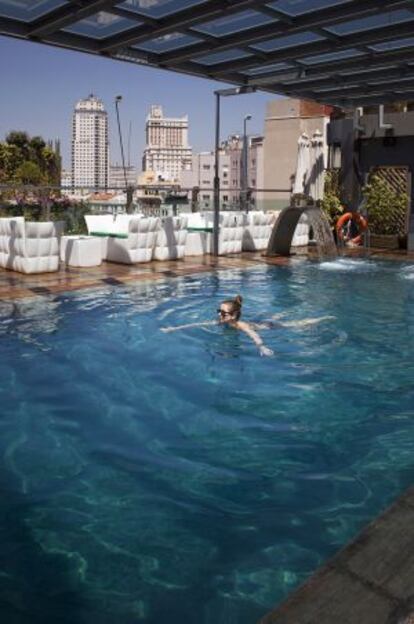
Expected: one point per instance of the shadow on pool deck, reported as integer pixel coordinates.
(370, 581)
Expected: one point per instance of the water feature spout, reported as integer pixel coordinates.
(284, 229)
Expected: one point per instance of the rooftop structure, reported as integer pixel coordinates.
(167, 151)
(342, 52)
(90, 144)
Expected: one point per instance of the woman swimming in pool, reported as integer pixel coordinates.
(229, 314)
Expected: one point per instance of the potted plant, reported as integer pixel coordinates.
(387, 213)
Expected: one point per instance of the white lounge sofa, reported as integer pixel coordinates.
(29, 247)
(200, 237)
(230, 233)
(171, 238)
(135, 246)
(106, 226)
(257, 229)
(197, 234)
(301, 235)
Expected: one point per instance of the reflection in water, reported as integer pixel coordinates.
(181, 477)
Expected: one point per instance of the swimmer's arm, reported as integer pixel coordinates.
(247, 329)
(167, 330)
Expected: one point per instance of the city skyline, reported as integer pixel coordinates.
(40, 99)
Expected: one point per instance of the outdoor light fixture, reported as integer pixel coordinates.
(222, 93)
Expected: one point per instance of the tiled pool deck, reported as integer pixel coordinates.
(371, 581)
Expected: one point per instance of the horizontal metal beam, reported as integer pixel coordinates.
(371, 100)
(308, 21)
(318, 70)
(351, 91)
(378, 35)
(181, 19)
(338, 80)
(13, 27)
(66, 15)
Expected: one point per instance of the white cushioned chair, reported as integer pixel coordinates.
(230, 233)
(197, 230)
(29, 247)
(200, 233)
(301, 235)
(137, 245)
(107, 225)
(171, 239)
(257, 229)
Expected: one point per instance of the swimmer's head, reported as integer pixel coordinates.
(230, 310)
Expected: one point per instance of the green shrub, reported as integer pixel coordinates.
(331, 203)
(386, 209)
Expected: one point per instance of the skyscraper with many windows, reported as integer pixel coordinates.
(167, 152)
(90, 144)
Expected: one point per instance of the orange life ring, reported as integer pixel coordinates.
(360, 221)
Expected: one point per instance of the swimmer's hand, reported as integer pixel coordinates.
(265, 351)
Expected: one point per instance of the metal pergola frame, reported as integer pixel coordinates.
(350, 70)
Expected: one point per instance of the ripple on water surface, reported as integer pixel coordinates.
(154, 477)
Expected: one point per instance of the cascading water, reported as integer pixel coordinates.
(284, 229)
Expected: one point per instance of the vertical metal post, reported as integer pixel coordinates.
(127, 189)
(245, 166)
(217, 181)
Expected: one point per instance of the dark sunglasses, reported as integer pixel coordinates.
(224, 312)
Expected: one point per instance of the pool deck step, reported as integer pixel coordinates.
(370, 581)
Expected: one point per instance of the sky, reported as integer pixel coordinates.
(41, 84)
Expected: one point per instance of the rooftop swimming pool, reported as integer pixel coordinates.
(180, 477)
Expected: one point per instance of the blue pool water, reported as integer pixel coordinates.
(181, 478)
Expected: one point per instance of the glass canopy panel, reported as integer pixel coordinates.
(288, 42)
(222, 57)
(331, 56)
(256, 71)
(298, 7)
(234, 23)
(159, 8)
(101, 25)
(375, 21)
(28, 10)
(408, 42)
(166, 43)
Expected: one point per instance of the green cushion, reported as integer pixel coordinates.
(111, 234)
(200, 229)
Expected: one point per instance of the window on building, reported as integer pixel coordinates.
(206, 167)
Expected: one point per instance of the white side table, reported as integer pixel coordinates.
(81, 251)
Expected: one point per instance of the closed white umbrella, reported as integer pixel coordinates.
(302, 164)
(316, 168)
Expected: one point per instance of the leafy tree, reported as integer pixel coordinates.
(22, 158)
(29, 173)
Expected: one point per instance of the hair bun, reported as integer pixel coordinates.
(238, 299)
